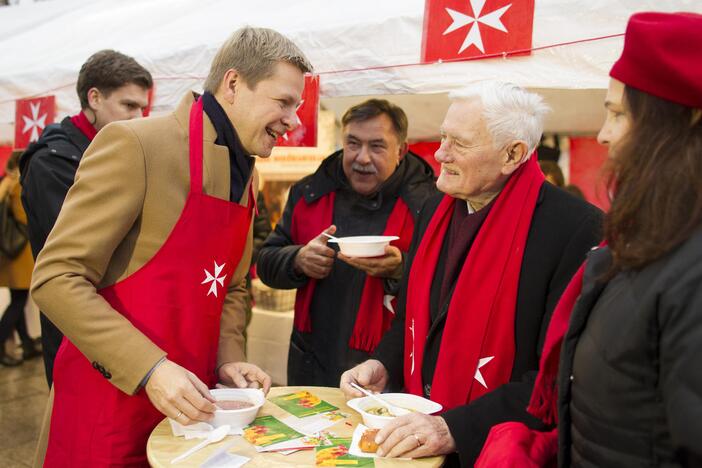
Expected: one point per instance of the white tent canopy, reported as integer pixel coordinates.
(43, 45)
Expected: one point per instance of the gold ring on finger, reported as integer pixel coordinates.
(419, 442)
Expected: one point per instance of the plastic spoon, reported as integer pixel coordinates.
(396, 410)
(335, 239)
(213, 437)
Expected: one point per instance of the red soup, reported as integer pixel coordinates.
(233, 404)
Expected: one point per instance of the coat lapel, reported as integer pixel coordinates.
(216, 171)
(216, 176)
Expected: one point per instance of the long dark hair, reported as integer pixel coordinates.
(656, 179)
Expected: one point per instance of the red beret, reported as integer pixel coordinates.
(662, 56)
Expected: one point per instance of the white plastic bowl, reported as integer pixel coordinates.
(403, 400)
(363, 246)
(241, 417)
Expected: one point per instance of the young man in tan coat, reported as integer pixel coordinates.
(122, 272)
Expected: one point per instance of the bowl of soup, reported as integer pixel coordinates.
(363, 246)
(236, 406)
(376, 415)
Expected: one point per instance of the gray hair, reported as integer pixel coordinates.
(510, 112)
(373, 108)
(253, 53)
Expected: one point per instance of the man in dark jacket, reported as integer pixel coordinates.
(261, 231)
(344, 305)
(488, 263)
(111, 86)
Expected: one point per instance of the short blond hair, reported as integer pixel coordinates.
(253, 53)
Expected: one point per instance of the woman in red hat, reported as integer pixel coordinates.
(624, 359)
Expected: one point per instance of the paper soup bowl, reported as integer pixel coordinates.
(363, 246)
(403, 400)
(240, 417)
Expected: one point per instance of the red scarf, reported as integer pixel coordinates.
(373, 318)
(478, 339)
(544, 397)
(83, 124)
(514, 444)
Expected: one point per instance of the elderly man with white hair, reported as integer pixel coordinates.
(489, 260)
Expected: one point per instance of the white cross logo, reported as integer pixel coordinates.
(35, 123)
(411, 328)
(213, 279)
(492, 19)
(478, 375)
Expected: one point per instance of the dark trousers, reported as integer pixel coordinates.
(308, 366)
(304, 369)
(13, 318)
(51, 338)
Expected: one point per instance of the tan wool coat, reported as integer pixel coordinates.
(130, 190)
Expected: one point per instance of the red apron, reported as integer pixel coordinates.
(176, 300)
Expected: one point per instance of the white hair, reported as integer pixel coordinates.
(510, 112)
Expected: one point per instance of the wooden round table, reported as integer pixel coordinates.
(162, 446)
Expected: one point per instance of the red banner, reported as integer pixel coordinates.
(5, 152)
(464, 29)
(587, 158)
(306, 133)
(31, 117)
(426, 150)
(147, 110)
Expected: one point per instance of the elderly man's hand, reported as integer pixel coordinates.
(316, 259)
(387, 266)
(415, 435)
(370, 375)
(244, 375)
